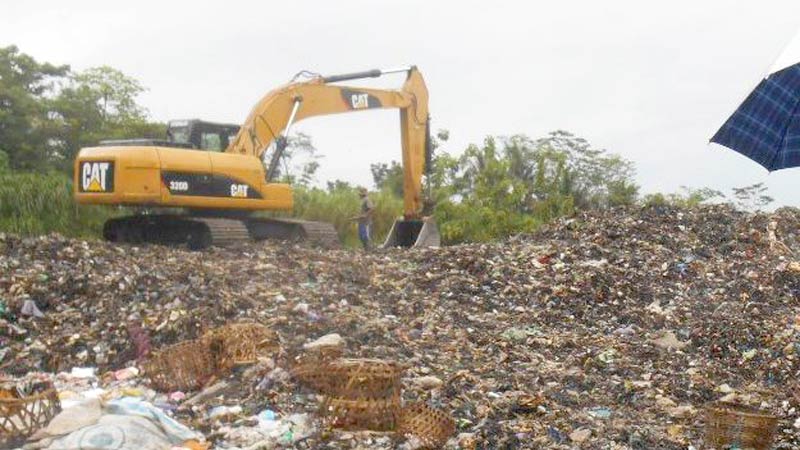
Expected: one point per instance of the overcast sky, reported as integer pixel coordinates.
(650, 81)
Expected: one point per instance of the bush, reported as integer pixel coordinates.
(32, 203)
(4, 164)
(340, 203)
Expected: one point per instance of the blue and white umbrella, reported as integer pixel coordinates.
(766, 126)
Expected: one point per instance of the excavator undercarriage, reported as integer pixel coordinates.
(199, 232)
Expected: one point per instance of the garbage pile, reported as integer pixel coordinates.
(605, 330)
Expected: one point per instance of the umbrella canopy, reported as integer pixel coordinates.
(766, 126)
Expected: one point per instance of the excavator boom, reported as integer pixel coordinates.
(261, 134)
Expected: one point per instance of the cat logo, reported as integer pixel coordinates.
(239, 190)
(359, 101)
(97, 176)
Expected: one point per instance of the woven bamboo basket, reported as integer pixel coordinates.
(185, 366)
(361, 414)
(241, 343)
(431, 426)
(732, 424)
(359, 394)
(355, 379)
(21, 417)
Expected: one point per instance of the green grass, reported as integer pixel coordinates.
(33, 204)
(339, 206)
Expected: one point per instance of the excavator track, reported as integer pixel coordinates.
(318, 233)
(199, 232)
(219, 232)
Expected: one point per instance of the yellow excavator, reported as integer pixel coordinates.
(219, 176)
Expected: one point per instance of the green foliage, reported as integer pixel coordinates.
(4, 162)
(512, 185)
(25, 86)
(340, 203)
(300, 161)
(753, 197)
(97, 104)
(686, 198)
(47, 112)
(388, 177)
(38, 203)
(462, 222)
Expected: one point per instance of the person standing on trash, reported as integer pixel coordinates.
(365, 218)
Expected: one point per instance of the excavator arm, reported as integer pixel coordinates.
(264, 132)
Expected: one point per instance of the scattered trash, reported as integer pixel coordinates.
(580, 435)
(190, 365)
(668, 341)
(333, 340)
(600, 413)
(224, 411)
(29, 308)
(427, 382)
(83, 372)
(124, 424)
(530, 337)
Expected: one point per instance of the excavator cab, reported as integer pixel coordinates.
(192, 134)
(201, 135)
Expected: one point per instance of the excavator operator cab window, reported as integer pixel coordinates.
(211, 142)
(178, 132)
(201, 135)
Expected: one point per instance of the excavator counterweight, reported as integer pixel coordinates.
(219, 177)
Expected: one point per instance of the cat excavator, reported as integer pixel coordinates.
(206, 183)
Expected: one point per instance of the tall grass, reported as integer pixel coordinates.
(340, 205)
(33, 203)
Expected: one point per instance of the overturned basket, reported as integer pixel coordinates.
(22, 416)
(359, 393)
(739, 425)
(191, 364)
(361, 414)
(351, 378)
(181, 367)
(240, 343)
(432, 427)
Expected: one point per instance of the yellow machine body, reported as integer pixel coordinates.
(174, 177)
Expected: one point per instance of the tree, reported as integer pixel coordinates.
(299, 162)
(687, 197)
(340, 186)
(25, 85)
(593, 173)
(388, 177)
(753, 197)
(98, 103)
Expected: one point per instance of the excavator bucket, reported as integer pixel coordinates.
(413, 233)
